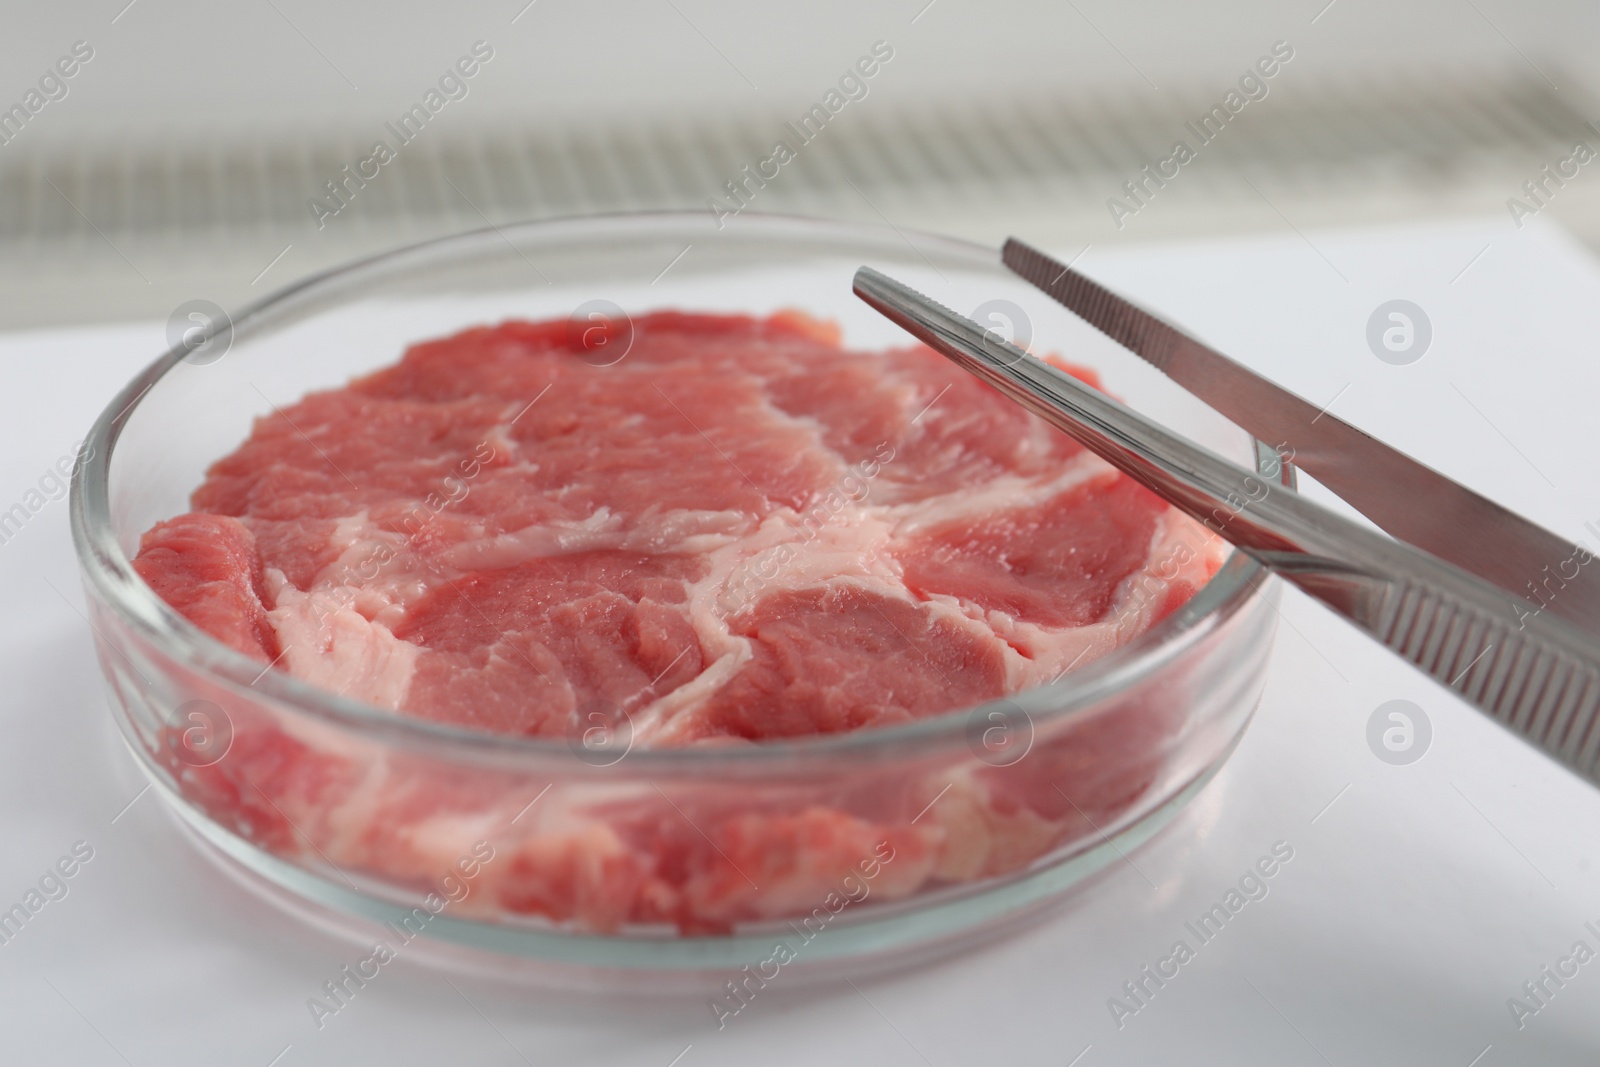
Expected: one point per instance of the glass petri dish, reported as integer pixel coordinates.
(939, 832)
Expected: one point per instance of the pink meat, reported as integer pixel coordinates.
(207, 567)
(739, 532)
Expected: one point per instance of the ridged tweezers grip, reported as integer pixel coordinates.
(1548, 696)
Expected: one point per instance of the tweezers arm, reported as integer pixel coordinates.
(1543, 686)
(1534, 674)
(1455, 524)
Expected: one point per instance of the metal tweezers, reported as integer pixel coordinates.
(1490, 605)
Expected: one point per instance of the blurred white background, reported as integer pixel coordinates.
(181, 160)
(183, 73)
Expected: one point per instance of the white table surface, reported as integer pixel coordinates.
(1415, 905)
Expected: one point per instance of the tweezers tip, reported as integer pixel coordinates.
(1025, 260)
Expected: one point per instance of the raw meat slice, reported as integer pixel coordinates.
(741, 532)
